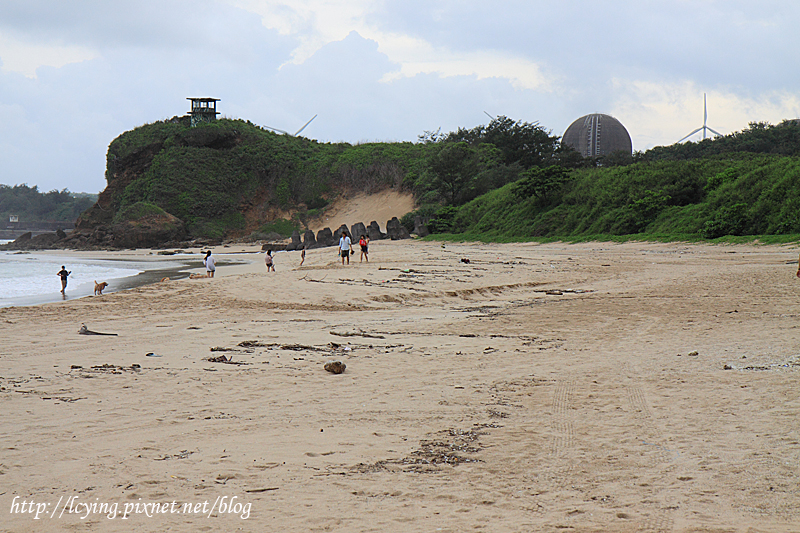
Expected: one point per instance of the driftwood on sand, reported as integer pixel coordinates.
(86, 331)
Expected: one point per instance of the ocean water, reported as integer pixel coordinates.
(32, 278)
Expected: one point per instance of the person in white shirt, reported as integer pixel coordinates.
(345, 247)
(210, 264)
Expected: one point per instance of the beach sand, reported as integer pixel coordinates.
(547, 387)
(349, 209)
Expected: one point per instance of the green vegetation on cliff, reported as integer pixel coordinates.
(504, 181)
(221, 177)
(743, 184)
(707, 198)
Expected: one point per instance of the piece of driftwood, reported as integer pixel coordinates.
(86, 331)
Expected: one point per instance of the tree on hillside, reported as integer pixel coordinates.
(759, 137)
(524, 143)
(542, 183)
(455, 166)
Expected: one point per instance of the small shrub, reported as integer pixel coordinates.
(729, 220)
(719, 178)
(137, 211)
(317, 202)
(280, 226)
(442, 221)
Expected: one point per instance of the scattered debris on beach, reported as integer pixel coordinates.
(86, 331)
(335, 367)
(357, 334)
(182, 455)
(107, 369)
(770, 366)
(450, 447)
(226, 360)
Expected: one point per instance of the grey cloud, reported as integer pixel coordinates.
(205, 26)
(716, 43)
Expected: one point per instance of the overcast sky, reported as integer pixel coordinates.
(74, 75)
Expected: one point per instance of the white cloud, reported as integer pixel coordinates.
(315, 22)
(321, 22)
(521, 73)
(25, 58)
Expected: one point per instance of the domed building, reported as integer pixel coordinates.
(597, 135)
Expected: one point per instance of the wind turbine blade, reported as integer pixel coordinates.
(715, 132)
(304, 126)
(490, 116)
(276, 129)
(705, 110)
(695, 131)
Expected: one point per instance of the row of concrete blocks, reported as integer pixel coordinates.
(326, 237)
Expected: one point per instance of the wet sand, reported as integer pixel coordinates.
(589, 387)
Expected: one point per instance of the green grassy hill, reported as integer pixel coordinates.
(736, 194)
(734, 186)
(230, 177)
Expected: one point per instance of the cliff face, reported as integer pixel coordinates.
(168, 182)
(130, 168)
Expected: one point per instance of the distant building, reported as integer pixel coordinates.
(597, 135)
(13, 219)
(203, 110)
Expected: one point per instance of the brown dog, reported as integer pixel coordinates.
(98, 287)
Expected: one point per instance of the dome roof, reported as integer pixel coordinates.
(597, 134)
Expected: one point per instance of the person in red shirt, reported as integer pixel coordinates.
(364, 243)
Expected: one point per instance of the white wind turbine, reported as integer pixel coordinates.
(704, 127)
(295, 133)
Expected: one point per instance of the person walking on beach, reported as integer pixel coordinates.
(63, 273)
(210, 264)
(269, 262)
(364, 243)
(345, 247)
(303, 256)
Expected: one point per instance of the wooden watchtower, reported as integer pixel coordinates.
(203, 110)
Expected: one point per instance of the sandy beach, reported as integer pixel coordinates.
(553, 387)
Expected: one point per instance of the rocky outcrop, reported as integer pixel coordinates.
(396, 231)
(146, 232)
(338, 233)
(27, 241)
(335, 367)
(374, 232)
(421, 226)
(358, 230)
(274, 246)
(121, 172)
(308, 239)
(235, 198)
(325, 238)
(295, 244)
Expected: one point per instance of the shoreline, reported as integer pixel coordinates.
(175, 267)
